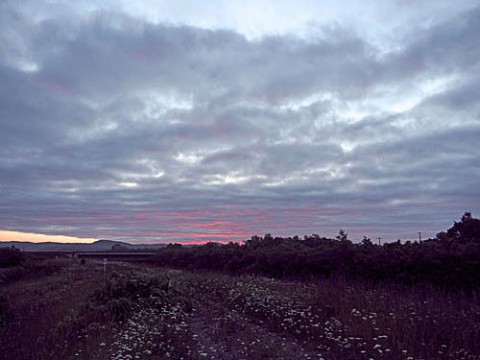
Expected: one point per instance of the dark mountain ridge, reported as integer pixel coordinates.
(99, 245)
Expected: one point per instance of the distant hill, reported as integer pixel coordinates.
(100, 245)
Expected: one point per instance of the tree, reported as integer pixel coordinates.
(268, 237)
(468, 229)
(442, 236)
(342, 235)
(366, 241)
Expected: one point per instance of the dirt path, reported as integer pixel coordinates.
(222, 334)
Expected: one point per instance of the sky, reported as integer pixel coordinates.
(187, 121)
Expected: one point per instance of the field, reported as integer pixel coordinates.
(76, 311)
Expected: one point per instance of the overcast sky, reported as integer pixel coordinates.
(172, 121)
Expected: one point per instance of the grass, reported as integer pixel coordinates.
(76, 311)
(338, 319)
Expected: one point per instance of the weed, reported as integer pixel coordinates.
(4, 306)
(146, 313)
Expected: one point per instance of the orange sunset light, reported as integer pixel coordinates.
(6, 235)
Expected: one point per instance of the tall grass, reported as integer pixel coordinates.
(78, 312)
(342, 319)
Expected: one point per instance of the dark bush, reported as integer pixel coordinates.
(121, 293)
(3, 308)
(10, 257)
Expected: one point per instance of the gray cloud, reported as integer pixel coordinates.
(114, 127)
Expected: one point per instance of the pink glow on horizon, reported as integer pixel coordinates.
(227, 224)
(230, 223)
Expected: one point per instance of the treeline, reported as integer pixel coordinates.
(451, 260)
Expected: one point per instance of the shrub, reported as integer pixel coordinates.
(3, 307)
(10, 257)
(121, 293)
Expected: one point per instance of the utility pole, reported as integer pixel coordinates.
(419, 236)
(379, 243)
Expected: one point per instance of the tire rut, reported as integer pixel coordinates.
(223, 334)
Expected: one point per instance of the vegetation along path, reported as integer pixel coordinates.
(75, 311)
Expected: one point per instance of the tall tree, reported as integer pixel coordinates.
(468, 229)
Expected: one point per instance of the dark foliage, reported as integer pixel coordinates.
(4, 307)
(121, 294)
(466, 230)
(10, 257)
(450, 261)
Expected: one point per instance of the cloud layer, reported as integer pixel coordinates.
(113, 126)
